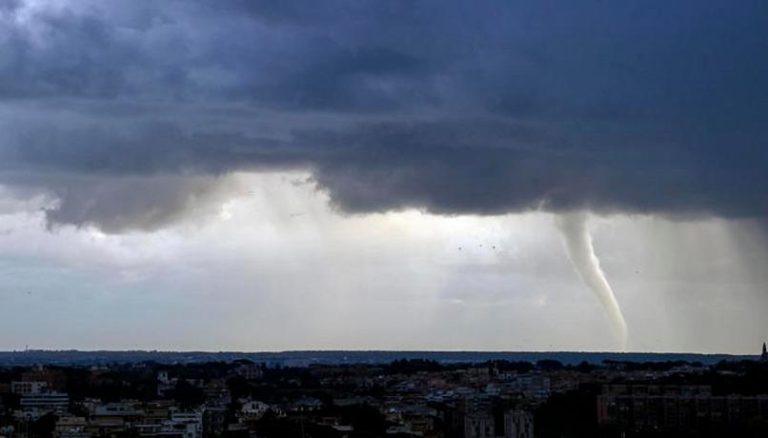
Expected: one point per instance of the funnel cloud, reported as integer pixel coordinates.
(145, 131)
(581, 252)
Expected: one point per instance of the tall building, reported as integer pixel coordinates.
(635, 408)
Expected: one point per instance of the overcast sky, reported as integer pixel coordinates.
(252, 175)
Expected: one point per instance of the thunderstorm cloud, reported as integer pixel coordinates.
(131, 114)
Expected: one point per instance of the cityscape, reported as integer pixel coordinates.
(402, 398)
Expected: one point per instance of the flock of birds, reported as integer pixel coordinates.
(492, 247)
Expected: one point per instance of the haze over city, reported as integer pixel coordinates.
(370, 175)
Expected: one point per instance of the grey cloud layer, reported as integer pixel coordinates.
(454, 107)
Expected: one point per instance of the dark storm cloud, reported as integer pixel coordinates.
(486, 108)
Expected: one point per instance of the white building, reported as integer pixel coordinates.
(71, 427)
(24, 388)
(253, 410)
(190, 424)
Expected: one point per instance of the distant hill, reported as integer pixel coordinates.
(305, 358)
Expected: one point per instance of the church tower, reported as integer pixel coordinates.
(764, 355)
